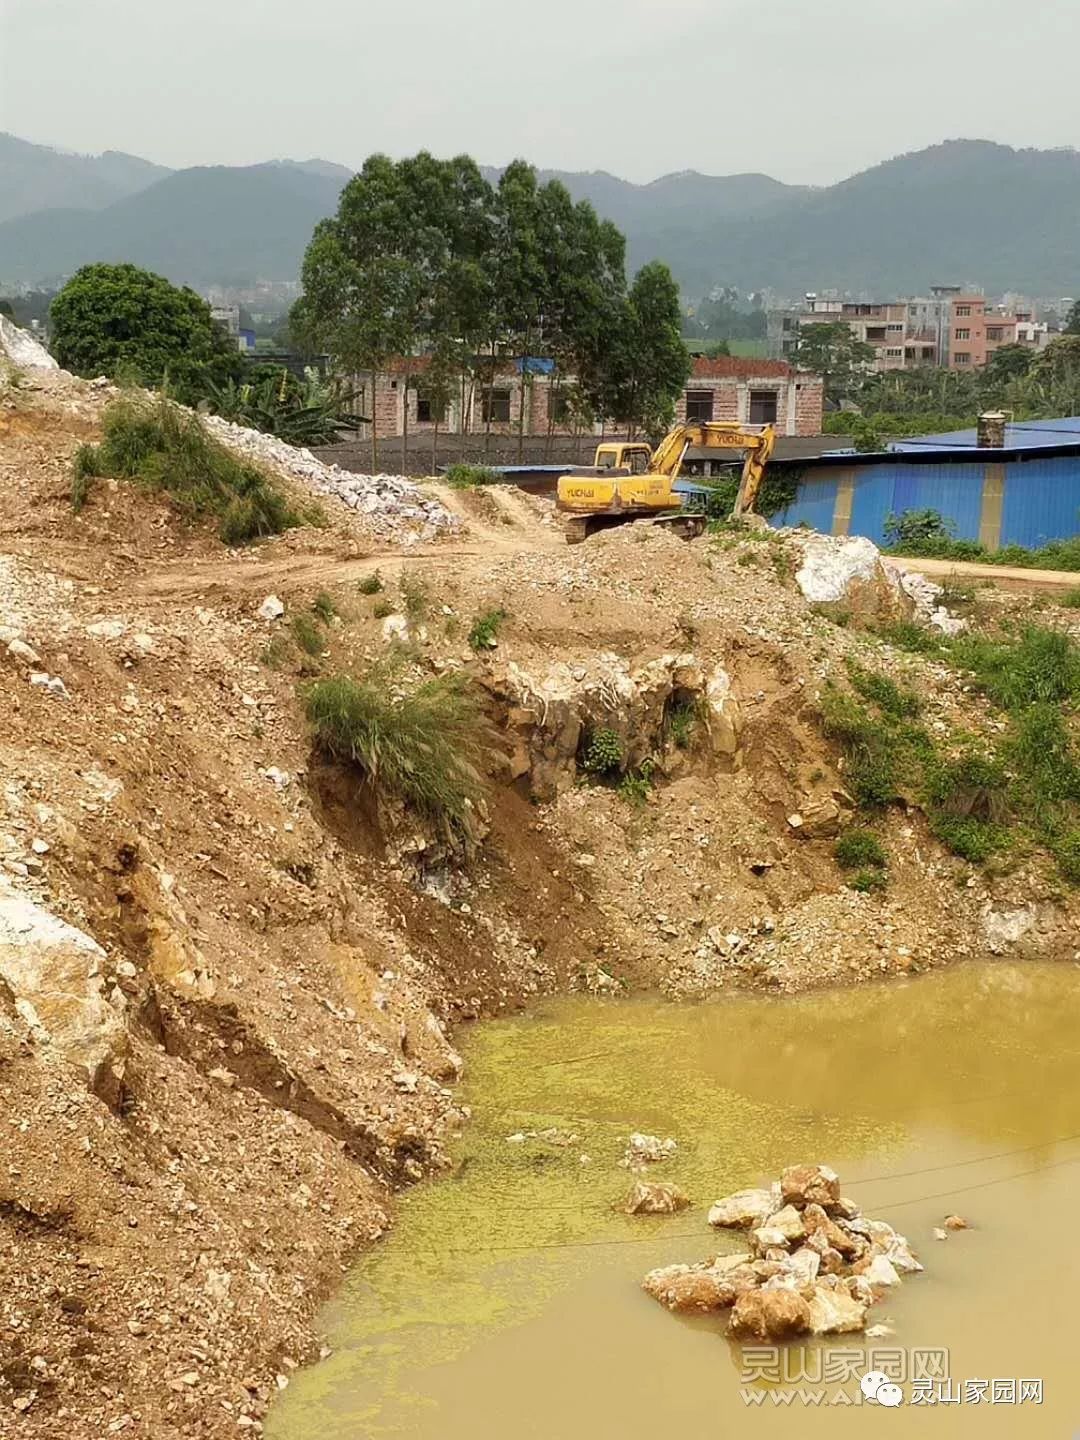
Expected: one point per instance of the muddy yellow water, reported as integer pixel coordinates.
(506, 1302)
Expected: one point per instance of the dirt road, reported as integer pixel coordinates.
(1006, 577)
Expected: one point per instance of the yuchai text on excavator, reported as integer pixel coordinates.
(629, 481)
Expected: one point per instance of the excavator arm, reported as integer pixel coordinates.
(757, 442)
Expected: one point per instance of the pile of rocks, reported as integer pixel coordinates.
(927, 598)
(814, 1264)
(391, 505)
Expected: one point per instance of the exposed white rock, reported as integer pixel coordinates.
(393, 505)
(848, 572)
(1005, 928)
(22, 349)
(835, 1312)
(881, 1271)
(742, 1210)
(20, 650)
(52, 971)
(271, 608)
(647, 1149)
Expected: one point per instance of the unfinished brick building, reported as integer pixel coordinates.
(727, 388)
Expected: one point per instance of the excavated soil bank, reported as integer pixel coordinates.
(215, 1079)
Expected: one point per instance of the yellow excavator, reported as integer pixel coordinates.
(630, 481)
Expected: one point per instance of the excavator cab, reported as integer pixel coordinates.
(632, 458)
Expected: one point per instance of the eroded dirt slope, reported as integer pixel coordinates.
(213, 1079)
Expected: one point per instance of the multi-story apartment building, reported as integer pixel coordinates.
(951, 327)
(885, 325)
(977, 330)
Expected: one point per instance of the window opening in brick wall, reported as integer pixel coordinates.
(699, 406)
(495, 407)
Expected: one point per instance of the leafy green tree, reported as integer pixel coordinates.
(584, 260)
(648, 364)
(832, 351)
(724, 316)
(1052, 386)
(1072, 320)
(118, 320)
(359, 289)
(519, 277)
(1009, 362)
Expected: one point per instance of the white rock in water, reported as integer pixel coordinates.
(835, 1312)
(271, 608)
(648, 1149)
(881, 1272)
(742, 1210)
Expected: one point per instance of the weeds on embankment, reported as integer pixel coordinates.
(468, 477)
(419, 747)
(167, 448)
(980, 799)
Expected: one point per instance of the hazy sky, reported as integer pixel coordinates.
(806, 90)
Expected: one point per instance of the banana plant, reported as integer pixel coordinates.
(301, 412)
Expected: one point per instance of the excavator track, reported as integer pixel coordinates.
(578, 528)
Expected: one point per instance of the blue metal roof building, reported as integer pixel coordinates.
(1026, 493)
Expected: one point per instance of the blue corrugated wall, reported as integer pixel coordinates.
(814, 504)
(1042, 501)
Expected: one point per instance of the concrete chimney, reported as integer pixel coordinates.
(991, 430)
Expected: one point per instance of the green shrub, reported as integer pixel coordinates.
(165, 447)
(681, 721)
(414, 597)
(311, 411)
(866, 881)
(466, 477)
(485, 631)
(382, 608)
(276, 654)
(1043, 665)
(859, 849)
(603, 753)
(1066, 850)
(882, 691)
(323, 606)
(1044, 756)
(419, 747)
(635, 788)
(121, 321)
(307, 634)
(970, 838)
(906, 635)
(917, 527)
(85, 468)
(972, 785)
(370, 584)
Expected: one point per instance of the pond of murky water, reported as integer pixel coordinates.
(505, 1304)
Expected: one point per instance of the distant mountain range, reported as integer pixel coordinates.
(962, 211)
